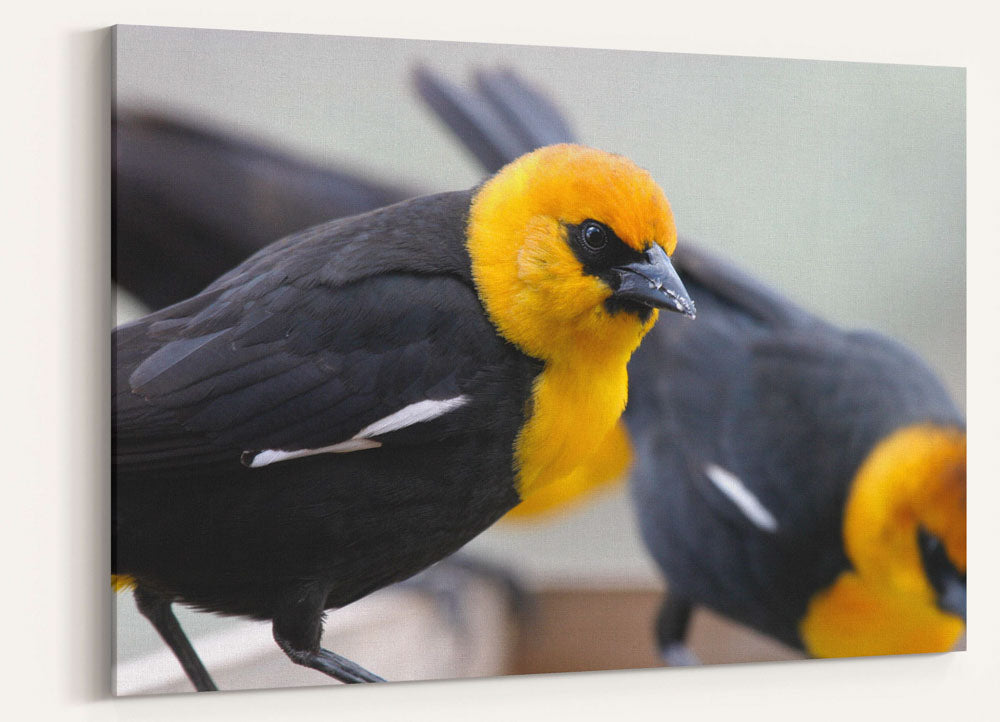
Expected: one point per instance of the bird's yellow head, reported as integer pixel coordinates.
(569, 248)
(904, 533)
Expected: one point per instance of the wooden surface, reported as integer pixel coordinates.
(572, 630)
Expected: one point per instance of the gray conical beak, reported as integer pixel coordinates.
(953, 597)
(653, 282)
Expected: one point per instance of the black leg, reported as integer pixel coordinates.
(672, 629)
(297, 629)
(156, 608)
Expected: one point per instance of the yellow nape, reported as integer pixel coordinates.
(603, 470)
(536, 293)
(855, 619)
(886, 605)
(121, 582)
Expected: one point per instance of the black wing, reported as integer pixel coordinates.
(532, 116)
(298, 348)
(504, 120)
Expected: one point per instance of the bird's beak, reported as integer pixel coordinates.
(952, 597)
(653, 282)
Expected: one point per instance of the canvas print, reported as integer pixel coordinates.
(438, 360)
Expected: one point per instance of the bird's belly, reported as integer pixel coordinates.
(234, 540)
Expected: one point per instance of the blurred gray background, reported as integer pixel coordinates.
(843, 184)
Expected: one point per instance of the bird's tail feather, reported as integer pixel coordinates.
(505, 119)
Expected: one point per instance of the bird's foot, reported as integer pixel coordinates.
(678, 654)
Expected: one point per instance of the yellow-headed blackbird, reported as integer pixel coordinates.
(358, 400)
(803, 480)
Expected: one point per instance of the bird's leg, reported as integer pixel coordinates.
(156, 608)
(671, 632)
(520, 598)
(297, 629)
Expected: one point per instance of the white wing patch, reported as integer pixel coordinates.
(744, 499)
(410, 415)
(407, 416)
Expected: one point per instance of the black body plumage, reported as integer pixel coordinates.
(784, 402)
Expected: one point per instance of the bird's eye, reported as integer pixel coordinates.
(594, 236)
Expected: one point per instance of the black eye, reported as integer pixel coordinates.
(593, 235)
